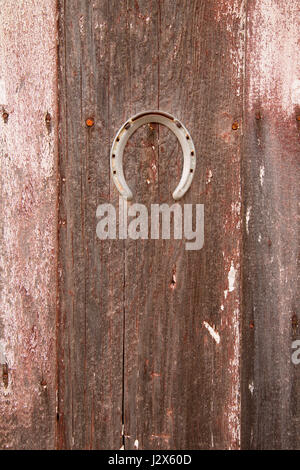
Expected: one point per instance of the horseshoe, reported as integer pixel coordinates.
(127, 129)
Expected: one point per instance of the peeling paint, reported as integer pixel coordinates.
(248, 218)
(81, 26)
(214, 334)
(236, 207)
(261, 174)
(275, 67)
(234, 366)
(231, 278)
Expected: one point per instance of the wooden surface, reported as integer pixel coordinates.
(177, 388)
(175, 393)
(142, 344)
(90, 321)
(28, 92)
(271, 383)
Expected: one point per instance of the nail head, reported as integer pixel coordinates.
(89, 122)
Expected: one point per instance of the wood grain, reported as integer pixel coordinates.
(141, 344)
(181, 387)
(133, 348)
(90, 330)
(270, 381)
(28, 146)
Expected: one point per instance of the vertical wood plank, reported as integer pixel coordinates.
(90, 327)
(181, 386)
(271, 382)
(177, 386)
(28, 146)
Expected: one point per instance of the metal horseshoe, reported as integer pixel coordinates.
(127, 129)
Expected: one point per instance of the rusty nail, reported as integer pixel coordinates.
(258, 115)
(5, 375)
(5, 116)
(89, 122)
(298, 117)
(251, 324)
(235, 125)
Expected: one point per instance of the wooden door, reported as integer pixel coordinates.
(141, 343)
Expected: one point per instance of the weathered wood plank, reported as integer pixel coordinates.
(181, 386)
(178, 387)
(271, 412)
(28, 146)
(90, 332)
